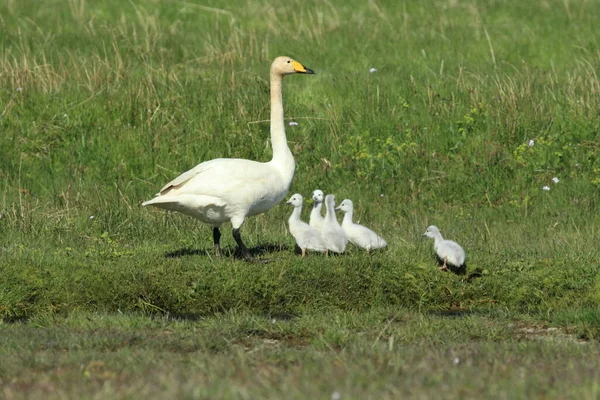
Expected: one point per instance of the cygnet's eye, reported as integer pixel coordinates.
(289, 61)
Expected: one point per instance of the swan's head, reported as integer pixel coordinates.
(330, 201)
(432, 232)
(318, 196)
(345, 206)
(295, 200)
(286, 66)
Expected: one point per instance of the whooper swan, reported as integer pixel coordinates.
(316, 219)
(307, 237)
(332, 233)
(359, 235)
(230, 189)
(448, 252)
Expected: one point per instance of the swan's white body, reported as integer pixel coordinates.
(307, 237)
(226, 189)
(332, 233)
(316, 219)
(447, 250)
(359, 235)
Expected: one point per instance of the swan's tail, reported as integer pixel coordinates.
(162, 202)
(187, 203)
(156, 200)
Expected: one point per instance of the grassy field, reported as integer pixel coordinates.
(473, 108)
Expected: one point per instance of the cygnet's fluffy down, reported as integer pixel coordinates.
(449, 253)
(307, 237)
(359, 235)
(316, 219)
(332, 233)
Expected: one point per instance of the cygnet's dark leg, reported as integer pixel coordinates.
(242, 247)
(217, 241)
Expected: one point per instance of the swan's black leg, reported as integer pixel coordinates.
(241, 246)
(217, 241)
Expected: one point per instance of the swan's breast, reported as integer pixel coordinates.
(266, 195)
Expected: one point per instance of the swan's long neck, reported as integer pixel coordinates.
(317, 207)
(438, 238)
(282, 156)
(348, 217)
(296, 214)
(330, 214)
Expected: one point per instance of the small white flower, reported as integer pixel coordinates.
(65, 115)
(371, 70)
(92, 217)
(531, 143)
(336, 395)
(273, 321)
(293, 123)
(19, 89)
(546, 188)
(381, 195)
(555, 180)
(456, 360)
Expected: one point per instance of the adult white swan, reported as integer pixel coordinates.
(230, 189)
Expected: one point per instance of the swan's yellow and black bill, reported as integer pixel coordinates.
(301, 68)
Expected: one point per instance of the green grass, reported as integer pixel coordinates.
(376, 354)
(103, 102)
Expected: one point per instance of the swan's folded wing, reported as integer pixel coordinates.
(219, 177)
(186, 176)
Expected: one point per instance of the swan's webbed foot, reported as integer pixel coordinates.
(217, 241)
